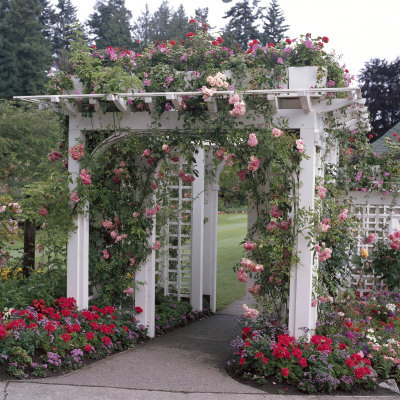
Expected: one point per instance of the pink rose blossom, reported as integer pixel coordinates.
(284, 225)
(242, 174)
(239, 109)
(114, 234)
(135, 214)
(106, 254)
(272, 225)
(314, 302)
(121, 237)
(234, 99)
(254, 163)
(229, 159)
(220, 153)
(276, 132)
(165, 148)
(395, 238)
(85, 177)
(324, 227)
(343, 215)
(254, 290)
(43, 211)
(241, 275)
(249, 245)
(128, 291)
(370, 239)
(54, 155)
(322, 192)
(74, 197)
(252, 142)
(77, 152)
(107, 224)
(153, 186)
(247, 263)
(146, 153)
(156, 245)
(275, 212)
(300, 145)
(250, 312)
(132, 261)
(325, 254)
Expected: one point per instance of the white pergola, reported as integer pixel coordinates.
(304, 109)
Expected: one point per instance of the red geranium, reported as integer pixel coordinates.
(303, 362)
(139, 310)
(220, 40)
(66, 337)
(192, 21)
(288, 41)
(245, 332)
(189, 35)
(106, 340)
(325, 39)
(172, 42)
(285, 372)
(285, 340)
(88, 348)
(89, 335)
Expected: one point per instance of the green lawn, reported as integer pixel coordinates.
(231, 231)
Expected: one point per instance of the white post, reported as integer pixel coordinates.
(301, 314)
(145, 292)
(78, 242)
(211, 234)
(196, 293)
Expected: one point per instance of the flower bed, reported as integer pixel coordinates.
(40, 339)
(356, 343)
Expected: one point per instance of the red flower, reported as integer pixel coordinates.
(342, 346)
(215, 43)
(88, 348)
(288, 41)
(285, 372)
(303, 362)
(271, 45)
(137, 40)
(350, 362)
(281, 352)
(265, 360)
(325, 39)
(249, 51)
(245, 332)
(242, 361)
(370, 136)
(192, 21)
(94, 325)
(360, 372)
(285, 340)
(172, 42)
(66, 337)
(76, 327)
(49, 327)
(260, 354)
(139, 310)
(247, 344)
(189, 35)
(106, 340)
(89, 335)
(94, 47)
(297, 352)
(220, 40)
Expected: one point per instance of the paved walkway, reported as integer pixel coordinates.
(188, 363)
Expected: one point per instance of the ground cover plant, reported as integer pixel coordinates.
(56, 337)
(356, 343)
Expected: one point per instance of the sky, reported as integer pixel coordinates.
(359, 30)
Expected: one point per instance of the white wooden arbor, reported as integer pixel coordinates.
(304, 109)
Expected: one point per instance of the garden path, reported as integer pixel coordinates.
(188, 363)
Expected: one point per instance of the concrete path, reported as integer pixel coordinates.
(188, 363)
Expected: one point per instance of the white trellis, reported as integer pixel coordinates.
(304, 110)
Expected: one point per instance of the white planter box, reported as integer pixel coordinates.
(307, 77)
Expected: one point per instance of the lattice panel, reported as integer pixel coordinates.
(173, 260)
(379, 217)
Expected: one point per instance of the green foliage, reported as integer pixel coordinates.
(30, 56)
(273, 24)
(110, 24)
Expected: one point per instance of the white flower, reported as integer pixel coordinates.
(391, 307)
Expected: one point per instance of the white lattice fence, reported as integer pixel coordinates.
(378, 214)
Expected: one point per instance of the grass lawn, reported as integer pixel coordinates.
(231, 231)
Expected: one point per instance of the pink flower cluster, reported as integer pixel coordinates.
(300, 145)
(85, 177)
(276, 132)
(324, 253)
(254, 163)
(370, 239)
(322, 192)
(395, 238)
(249, 245)
(239, 109)
(187, 178)
(77, 152)
(254, 290)
(250, 312)
(251, 266)
(54, 155)
(241, 275)
(343, 215)
(152, 211)
(252, 142)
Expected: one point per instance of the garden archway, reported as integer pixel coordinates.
(303, 108)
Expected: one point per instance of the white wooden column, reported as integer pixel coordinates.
(196, 293)
(145, 294)
(78, 242)
(211, 233)
(301, 314)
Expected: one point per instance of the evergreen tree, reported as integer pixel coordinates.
(201, 16)
(110, 24)
(160, 23)
(241, 28)
(178, 26)
(23, 30)
(380, 85)
(7, 55)
(273, 24)
(142, 27)
(64, 18)
(47, 18)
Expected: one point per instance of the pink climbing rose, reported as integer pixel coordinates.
(43, 211)
(74, 197)
(254, 290)
(146, 153)
(132, 261)
(370, 239)
(300, 145)
(156, 245)
(241, 275)
(242, 174)
(275, 212)
(106, 254)
(276, 132)
(254, 163)
(343, 215)
(234, 99)
(107, 224)
(395, 238)
(165, 148)
(128, 291)
(85, 177)
(249, 245)
(250, 312)
(77, 152)
(252, 142)
(322, 192)
(239, 109)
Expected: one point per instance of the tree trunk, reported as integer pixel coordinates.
(29, 247)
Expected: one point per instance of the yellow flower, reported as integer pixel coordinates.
(364, 252)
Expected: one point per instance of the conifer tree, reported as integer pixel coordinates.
(142, 27)
(273, 24)
(160, 23)
(64, 18)
(30, 55)
(241, 28)
(178, 26)
(110, 24)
